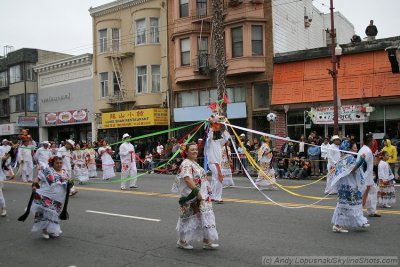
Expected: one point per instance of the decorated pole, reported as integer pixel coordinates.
(219, 51)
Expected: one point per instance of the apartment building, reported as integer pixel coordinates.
(249, 52)
(368, 91)
(19, 88)
(65, 99)
(130, 67)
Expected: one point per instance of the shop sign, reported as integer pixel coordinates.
(347, 114)
(135, 118)
(28, 121)
(8, 129)
(66, 117)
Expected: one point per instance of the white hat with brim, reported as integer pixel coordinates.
(69, 141)
(125, 136)
(243, 134)
(335, 137)
(45, 143)
(4, 140)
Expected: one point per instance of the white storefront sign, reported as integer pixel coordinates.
(8, 129)
(347, 114)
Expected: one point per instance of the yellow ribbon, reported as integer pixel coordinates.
(258, 168)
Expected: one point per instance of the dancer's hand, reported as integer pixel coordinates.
(199, 197)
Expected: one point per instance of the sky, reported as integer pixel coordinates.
(66, 26)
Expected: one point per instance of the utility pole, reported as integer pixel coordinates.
(219, 49)
(333, 73)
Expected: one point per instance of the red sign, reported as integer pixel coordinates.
(66, 117)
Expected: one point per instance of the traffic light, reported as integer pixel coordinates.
(394, 58)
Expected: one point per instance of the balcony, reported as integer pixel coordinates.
(185, 26)
(204, 63)
(200, 69)
(202, 13)
(239, 9)
(120, 97)
(245, 65)
(128, 51)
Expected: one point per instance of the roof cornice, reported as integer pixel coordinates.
(113, 7)
(66, 63)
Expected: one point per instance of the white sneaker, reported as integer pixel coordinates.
(337, 229)
(45, 235)
(210, 246)
(184, 245)
(3, 213)
(365, 225)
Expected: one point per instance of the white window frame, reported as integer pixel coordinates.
(184, 3)
(115, 41)
(104, 88)
(140, 32)
(15, 74)
(254, 40)
(102, 41)
(154, 31)
(31, 100)
(141, 77)
(236, 43)
(186, 51)
(3, 79)
(155, 77)
(14, 108)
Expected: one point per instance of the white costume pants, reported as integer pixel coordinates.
(216, 185)
(128, 170)
(2, 200)
(372, 200)
(27, 171)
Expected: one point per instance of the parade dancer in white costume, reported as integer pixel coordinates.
(386, 192)
(266, 177)
(65, 152)
(107, 162)
(80, 168)
(370, 194)
(49, 199)
(42, 155)
(216, 139)
(128, 163)
(91, 160)
(226, 163)
(333, 158)
(3, 157)
(196, 216)
(349, 181)
(25, 159)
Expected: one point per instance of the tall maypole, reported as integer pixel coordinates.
(219, 49)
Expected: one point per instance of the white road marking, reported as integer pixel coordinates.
(124, 216)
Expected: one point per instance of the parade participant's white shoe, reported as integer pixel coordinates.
(338, 229)
(365, 225)
(184, 245)
(45, 234)
(3, 213)
(210, 246)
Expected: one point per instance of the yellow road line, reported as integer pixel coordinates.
(234, 200)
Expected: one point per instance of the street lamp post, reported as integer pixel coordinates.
(333, 73)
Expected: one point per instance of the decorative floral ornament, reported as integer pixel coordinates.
(183, 147)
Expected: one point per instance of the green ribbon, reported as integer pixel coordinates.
(159, 167)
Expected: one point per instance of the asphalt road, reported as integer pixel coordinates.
(249, 227)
